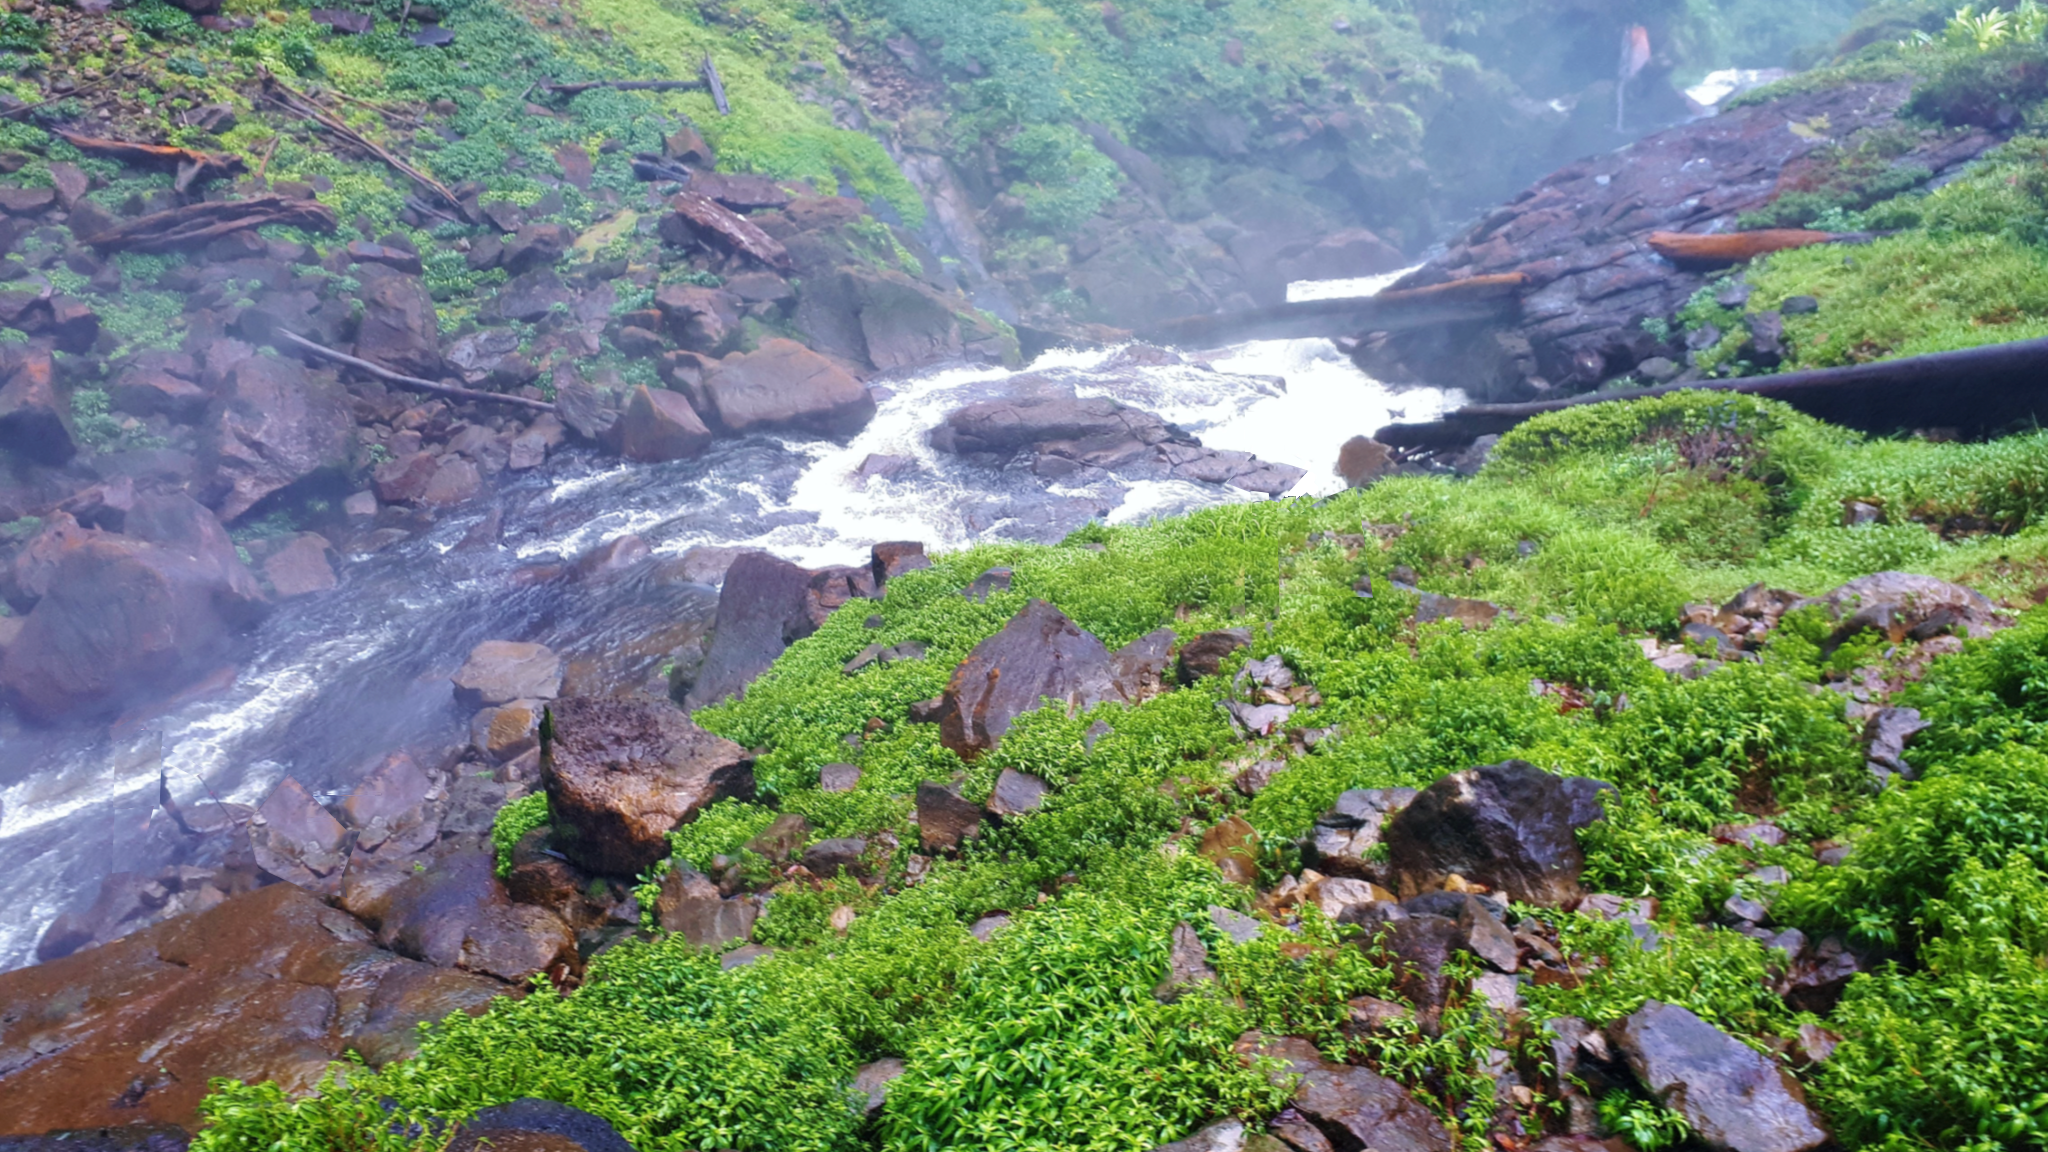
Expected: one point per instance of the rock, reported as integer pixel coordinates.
(35, 420)
(392, 809)
(1732, 1096)
(1233, 847)
(141, 391)
(1472, 615)
(765, 605)
(1798, 306)
(501, 671)
(944, 819)
(624, 773)
(397, 259)
(985, 928)
(660, 426)
(126, 1138)
(1906, 606)
(1509, 826)
(1222, 1136)
(1016, 794)
(1420, 946)
(1815, 981)
(702, 320)
(267, 985)
(1236, 925)
(992, 581)
(1363, 460)
(838, 778)
(537, 246)
(1204, 655)
(1336, 895)
(398, 328)
(893, 558)
(1039, 653)
(454, 481)
(297, 841)
(300, 567)
(530, 297)
(529, 1125)
(782, 840)
(1357, 1108)
(272, 424)
(1138, 669)
(691, 907)
(1885, 736)
(828, 858)
(1486, 937)
(507, 732)
(1187, 964)
(1344, 836)
(184, 595)
(344, 21)
(457, 914)
(785, 385)
(870, 1087)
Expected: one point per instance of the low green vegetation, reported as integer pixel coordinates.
(1048, 1034)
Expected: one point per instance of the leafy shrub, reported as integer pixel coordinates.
(514, 821)
(1984, 89)
(1987, 697)
(1065, 179)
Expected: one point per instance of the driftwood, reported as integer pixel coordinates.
(195, 224)
(730, 230)
(1476, 298)
(1972, 391)
(302, 105)
(716, 85)
(412, 383)
(623, 86)
(1719, 250)
(191, 167)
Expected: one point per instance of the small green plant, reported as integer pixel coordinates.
(513, 822)
(1644, 1124)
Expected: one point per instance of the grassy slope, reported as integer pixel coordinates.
(1048, 1037)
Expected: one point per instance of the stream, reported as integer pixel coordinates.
(333, 681)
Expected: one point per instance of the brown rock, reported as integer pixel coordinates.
(1233, 847)
(1510, 826)
(456, 914)
(944, 819)
(783, 839)
(268, 985)
(297, 841)
(530, 1125)
(35, 420)
(455, 480)
(405, 480)
(501, 671)
(1138, 669)
(1363, 460)
(537, 246)
(392, 808)
(508, 731)
(272, 424)
(690, 906)
(398, 329)
(143, 392)
(1039, 653)
(786, 385)
(396, 259)
(1357, 1108)
(1204, 655)
(624, 773)
(699, 319)
(301, 566)
(659, 426)
(575, 164)
(893, 558)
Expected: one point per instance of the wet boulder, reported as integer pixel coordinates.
(691, 906)
(394, 808)
(270, 984)
(501, 671)
(1734, 1097)
(300, 567)
(271, 424)
(1345, 835)
(624, 773)
(659, 426)
(1510, 826)
(456, 913)
(765, 605)
(124, 617)
(299, 841)
(1038, 654)
(784, 385)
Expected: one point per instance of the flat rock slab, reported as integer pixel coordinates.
(501, 671)
(1733, 1096)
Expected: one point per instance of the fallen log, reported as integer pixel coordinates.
(196, 224)
(1723, 249)
(81, 90)
(1973, 391)
(412, 383)
(623, 86)
(299, 104)
(716, 85)
(1475, 298)
(191, 167)
(730, 230)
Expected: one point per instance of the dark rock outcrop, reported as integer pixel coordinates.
(944, 818)
(785, 385)
(1509, 826)
(624, 773)
(1039, 654)
(1733, 1096)
(272, 423)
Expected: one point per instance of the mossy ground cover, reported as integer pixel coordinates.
(1048, 1034)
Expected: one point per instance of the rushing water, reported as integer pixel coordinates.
(334, 680)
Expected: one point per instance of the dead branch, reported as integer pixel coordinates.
(195, 224)
(1691, 250)
(716, 85)
(192, 167)
(301, 105)
(81, 90)
(411, 382)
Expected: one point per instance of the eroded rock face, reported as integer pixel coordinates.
(1733, 1096)
(1038, 654)
(268, 985)
(1508, 826)
(624, 773)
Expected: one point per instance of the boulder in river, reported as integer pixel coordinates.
(784, 385)
(298, 841)
(1734, 1097)
(659, 426)
(501, 671)
(624, 773)
(1510, 826)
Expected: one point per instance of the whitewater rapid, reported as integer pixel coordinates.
(334, 680)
